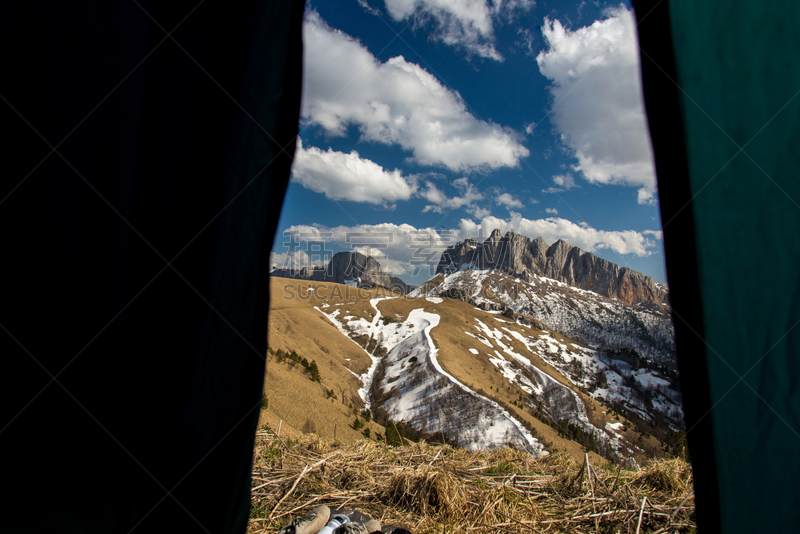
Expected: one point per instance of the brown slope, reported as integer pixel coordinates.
(294, 324)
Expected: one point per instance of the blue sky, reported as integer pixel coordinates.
(425, 122)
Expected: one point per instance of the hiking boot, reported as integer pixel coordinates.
(358, 528)
(311, 523)
(354, 515)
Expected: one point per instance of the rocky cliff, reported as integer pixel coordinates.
(352, 268)
(520, 256)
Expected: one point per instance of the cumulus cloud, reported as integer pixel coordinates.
(367, 250)
(658, 234)
(551, 211)
(645, 195)
(563, 182)
(507, 200)
(597, 101)
(478, 212)
(440, 202)
(463, 24)
(403, 248)
(295, 259)
(343, 176)
(396, 103)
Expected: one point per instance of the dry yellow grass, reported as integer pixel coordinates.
(297, 405)
(430, 489)
(294, 324)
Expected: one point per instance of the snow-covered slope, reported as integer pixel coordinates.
(631, 360)
(606, 323)
(543, 370)
(419, 392)
(415, 389)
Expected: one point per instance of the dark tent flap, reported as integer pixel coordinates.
(738, 84)
(151, 151)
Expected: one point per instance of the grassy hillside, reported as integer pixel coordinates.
(296, 402)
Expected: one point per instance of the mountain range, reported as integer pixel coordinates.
(512, 253)
(523, 257)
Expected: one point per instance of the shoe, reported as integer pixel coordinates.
(391, 529)
(358, 528)
(354, 515)
(311, 523)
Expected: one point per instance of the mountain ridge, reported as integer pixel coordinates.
(523, 257)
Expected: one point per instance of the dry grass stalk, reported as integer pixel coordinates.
(502, 490)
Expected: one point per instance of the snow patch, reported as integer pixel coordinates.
(420, 396)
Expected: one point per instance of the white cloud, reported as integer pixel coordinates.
(552, 229)
(296, 259)
(598, 110)
(433, 194)
(658, 234)
(563, 182)
(367, 250)
(645, 195)
(462, 24)
(551, 211)
(396, 103)
(441, 202)
(478, 212)
(525, 41)
(369, 9)
(343, 176)
(507, 200)
(529, 127)
(403, 248)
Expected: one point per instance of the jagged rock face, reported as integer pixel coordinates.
(520, 256)
(347, 267)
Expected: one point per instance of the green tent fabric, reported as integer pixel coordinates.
(722, 91)
(147, 152)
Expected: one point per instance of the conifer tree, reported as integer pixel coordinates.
(314, 370)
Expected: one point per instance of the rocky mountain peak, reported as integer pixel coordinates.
(520, 256)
